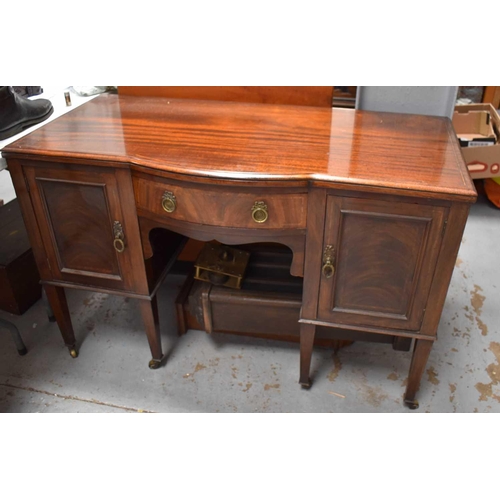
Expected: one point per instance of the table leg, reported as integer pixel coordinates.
(419, 359)
(21, 348)
(56, 297)
(48, 309)
(307, 333)
(149, 311)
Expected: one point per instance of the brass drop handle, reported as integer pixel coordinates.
(259, 212)
(328, 256)
(119, 241)
(168, 202)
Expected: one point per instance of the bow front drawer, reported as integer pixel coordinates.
(239, 206)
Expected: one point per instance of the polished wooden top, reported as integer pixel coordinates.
(301, 96)
(246, 141)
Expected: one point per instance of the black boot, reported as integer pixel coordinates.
(18, 113)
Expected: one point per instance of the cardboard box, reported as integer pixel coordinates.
(474, 129)
(478, 129)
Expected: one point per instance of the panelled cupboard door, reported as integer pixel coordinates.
(83, 227)
(379, 258)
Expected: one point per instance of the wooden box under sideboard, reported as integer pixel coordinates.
(19, 279)
(267, 306)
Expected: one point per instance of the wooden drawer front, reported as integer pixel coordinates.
(223, 206)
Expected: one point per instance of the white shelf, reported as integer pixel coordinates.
(55, 94)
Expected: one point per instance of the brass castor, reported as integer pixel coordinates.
(154, 364)
(73, 352)
(412, 404)
(305, 385)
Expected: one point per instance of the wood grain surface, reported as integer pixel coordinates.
(386, 194)
(244, 141)
(385, 257)
(216, 206)
(75, 208)
(300, 96)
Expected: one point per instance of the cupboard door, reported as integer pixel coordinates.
(383, 256)
(80, 216)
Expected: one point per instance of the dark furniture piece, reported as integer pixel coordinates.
(492, 95)
(372, 206)
(19, 279)
(344, 97)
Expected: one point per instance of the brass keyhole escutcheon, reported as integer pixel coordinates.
(259, 212)
(328, 269)
(168, 202)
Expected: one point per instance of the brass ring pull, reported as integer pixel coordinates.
(168, 202)
(119, 237)
(328, 255)
(259, 212)
(328, 271)
(119, 245)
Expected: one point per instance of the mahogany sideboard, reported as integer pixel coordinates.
(372, 205)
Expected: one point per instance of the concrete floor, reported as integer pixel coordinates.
(225, 373)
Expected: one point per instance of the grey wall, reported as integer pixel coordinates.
(438, 101)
